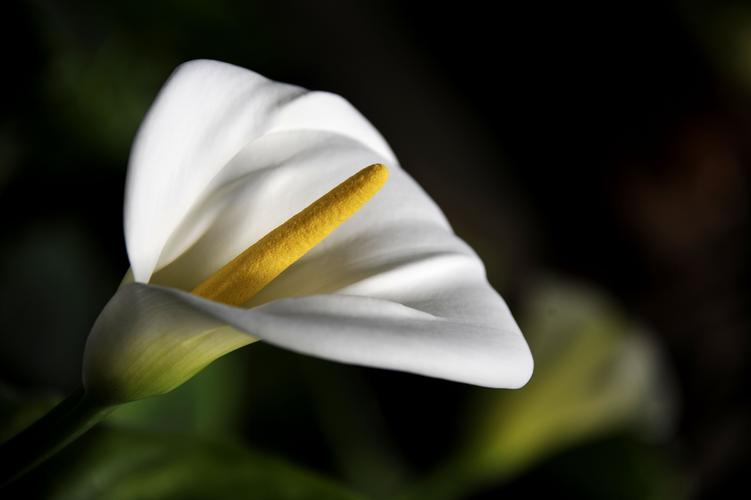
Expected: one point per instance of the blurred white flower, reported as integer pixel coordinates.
(224, 157)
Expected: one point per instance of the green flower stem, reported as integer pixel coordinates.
(71, 418)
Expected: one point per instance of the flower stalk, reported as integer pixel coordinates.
(67, 421)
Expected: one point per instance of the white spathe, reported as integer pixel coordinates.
(226, 155)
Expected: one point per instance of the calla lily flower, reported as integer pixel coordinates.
(225, 157)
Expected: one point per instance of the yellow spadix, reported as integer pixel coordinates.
(245, 275)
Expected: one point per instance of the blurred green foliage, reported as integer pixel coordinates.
(598, 374)
(588, 423)
(41, 261)
(120, 464)
(210, 405)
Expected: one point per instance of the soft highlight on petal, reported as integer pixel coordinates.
(205, 114)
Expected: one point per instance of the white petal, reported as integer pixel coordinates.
(417, 288)
(385, 334)
(351, 329)
(398, 252)
(206, 113)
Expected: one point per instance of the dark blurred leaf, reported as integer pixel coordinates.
(119, 464)
(18, 409)
(54, 282)
(616, 468)
(597, 373)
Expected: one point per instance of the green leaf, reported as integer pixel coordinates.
(120, 464)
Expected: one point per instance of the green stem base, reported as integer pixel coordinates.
(71, 418)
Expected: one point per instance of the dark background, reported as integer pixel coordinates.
(609, 144)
